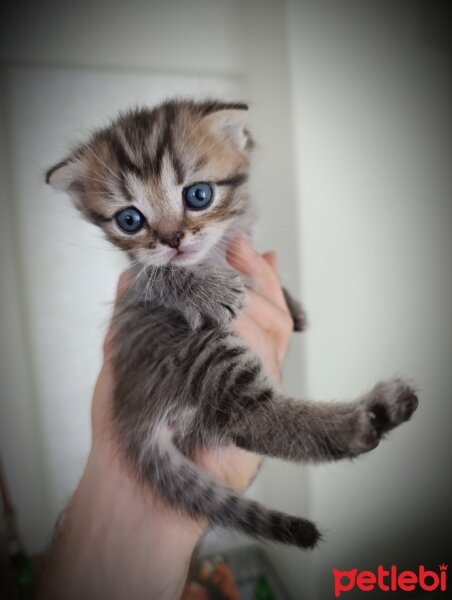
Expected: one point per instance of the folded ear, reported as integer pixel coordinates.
(230, 120)
(65, 175)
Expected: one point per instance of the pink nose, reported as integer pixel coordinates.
(172, 240)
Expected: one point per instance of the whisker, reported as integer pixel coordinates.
(97, 158)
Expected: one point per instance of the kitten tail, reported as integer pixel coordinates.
(185, 486)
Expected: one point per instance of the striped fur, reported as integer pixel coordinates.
(183, 378)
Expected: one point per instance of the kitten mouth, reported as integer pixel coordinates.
(182, 256)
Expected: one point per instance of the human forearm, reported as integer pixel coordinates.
(117, 541)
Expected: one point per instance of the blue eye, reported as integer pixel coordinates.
(198, 196)
(130, 220)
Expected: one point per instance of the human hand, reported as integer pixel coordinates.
(105, 544)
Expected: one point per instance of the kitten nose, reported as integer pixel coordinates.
(172, 240)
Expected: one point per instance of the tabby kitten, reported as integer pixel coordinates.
(169, 187)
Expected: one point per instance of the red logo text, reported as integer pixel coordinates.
(390, 580)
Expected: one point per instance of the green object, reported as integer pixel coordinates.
(263, 590)
(25, 575)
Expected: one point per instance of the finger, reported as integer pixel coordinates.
(242, 256)
(249, 329)
(272, 260)
(270, 316)
(262, 269)
(270, 350)
(267, 281)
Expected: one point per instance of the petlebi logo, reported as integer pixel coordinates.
(390, 580)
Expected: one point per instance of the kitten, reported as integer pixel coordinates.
(169, 187)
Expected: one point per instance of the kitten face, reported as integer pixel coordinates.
(164, 184)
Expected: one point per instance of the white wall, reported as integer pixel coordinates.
(372, 122)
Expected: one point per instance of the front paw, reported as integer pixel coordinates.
(225, 303)
(386, 406)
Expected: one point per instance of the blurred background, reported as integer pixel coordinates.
(351, 109)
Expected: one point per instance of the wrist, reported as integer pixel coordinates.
(117, 539)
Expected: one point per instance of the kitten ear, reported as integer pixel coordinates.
(64, 176)
(232, 122)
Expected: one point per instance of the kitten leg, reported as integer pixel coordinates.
(296, 311)
(237, 401)
(207, 296)
(307, 431)
(187, 487)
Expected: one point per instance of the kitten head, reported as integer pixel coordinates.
(164, 184)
